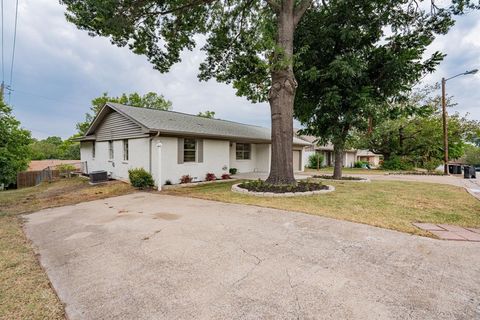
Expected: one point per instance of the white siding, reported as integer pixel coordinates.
(249, 165)
(117, 168)
(218, 157)
(215, 158)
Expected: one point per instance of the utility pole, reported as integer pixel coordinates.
(445, 128)
(444, 114)
(2, 89)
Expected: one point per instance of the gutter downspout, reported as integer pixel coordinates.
(150, 151)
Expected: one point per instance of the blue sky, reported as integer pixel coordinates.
(59, 69)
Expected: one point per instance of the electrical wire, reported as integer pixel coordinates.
(3, 68)
(13, 50)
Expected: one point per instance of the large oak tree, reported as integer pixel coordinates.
(248, 43)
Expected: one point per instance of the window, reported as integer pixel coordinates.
(110, 150)
(189, 150)
(93, 150)
(243, 151)
(125, 150)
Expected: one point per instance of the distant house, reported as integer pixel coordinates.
(171, 144)
(349, 156)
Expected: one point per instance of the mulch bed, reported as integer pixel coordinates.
(301, 186)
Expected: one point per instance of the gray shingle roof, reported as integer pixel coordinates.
(181, 123)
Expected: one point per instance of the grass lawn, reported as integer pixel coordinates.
(347, 171)
(387, 204)
(25, 291)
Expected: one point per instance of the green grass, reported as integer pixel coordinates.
(25, 292)
(387, 204)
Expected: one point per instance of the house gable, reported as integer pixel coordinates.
(115, 126)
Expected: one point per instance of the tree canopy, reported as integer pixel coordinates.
(54, 148)
(355, 58)
(416, 137)
(248, 44)
(14, 141)
(207, 114)
(150, 100)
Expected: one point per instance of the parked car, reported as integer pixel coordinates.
(477, 167)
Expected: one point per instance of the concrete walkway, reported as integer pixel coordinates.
(150, 256)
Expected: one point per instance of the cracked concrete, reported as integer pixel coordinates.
(166, 257)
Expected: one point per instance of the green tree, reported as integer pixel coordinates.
(416, 134)
(247, 43)
(472, 154)
(207, 114)
(350, 69)
(150, 100)
(14, 141)
(55, 148)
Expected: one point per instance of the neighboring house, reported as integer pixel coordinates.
(349, 156)
(171, 144)
(370, 157)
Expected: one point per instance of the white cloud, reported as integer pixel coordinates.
(59, 69)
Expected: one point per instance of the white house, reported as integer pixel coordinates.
(350, 156)
(171, 144)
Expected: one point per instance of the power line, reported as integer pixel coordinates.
(13, 50)
(3, 68)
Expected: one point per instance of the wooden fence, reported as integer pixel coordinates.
(33, 178)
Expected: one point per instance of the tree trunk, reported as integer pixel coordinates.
(281, 97)
(337, 169)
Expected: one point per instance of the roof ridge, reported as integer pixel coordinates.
(191, 115)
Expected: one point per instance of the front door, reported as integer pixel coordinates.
(297, 160)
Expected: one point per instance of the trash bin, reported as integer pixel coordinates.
(469, 172)
(458, 170)
(451, 169)
(473, 172)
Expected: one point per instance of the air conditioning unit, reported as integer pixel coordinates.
(98, 176)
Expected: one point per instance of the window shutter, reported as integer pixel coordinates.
(200, 150)
(180, 151)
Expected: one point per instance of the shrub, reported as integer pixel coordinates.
(139, 178)
(186, 179)
(397, 163)
(431, 165)
(226, 176)
(315, 160)
(66, 167)
(233, 170)
(210, 177)
(360, 164)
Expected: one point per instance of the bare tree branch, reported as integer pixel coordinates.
(300, 10)
(274, 5)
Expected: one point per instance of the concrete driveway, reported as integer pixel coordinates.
(151, 256)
